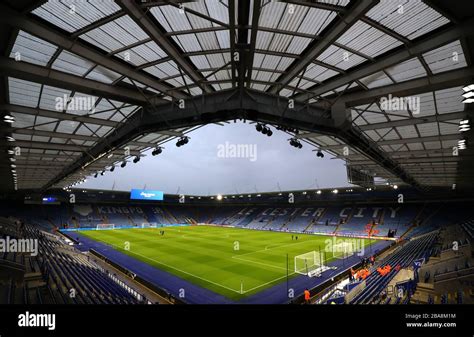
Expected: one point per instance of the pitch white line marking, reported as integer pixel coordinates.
(263, 264)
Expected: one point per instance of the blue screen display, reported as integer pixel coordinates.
(139, 194)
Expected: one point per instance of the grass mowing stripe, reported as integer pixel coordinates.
(205, 255)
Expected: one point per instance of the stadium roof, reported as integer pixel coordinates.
(156, 70)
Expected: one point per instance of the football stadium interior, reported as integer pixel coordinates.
(91, 87)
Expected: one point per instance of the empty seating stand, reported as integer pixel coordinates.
(67, 277)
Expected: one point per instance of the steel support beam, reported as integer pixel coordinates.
(226, 105)
(39, 74)
(448, 79)
(62, 135)
(403, 141)
(257, 5)
(414, 121)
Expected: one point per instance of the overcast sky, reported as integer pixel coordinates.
(197, 167)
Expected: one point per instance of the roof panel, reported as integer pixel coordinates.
(428, 129)
(408, 131)
(31, 49)
(340, 58)
(51, 96)
(81, 104)
(376, 80)
(72, 15)
(407, 17)
(70, 63)
(368, 40)
(116, 34)
(102, 74)
(449, 100)
(67, 126)
(22, 120)
(319, 73)
(407, 70)
(23, 93)
(143, 53)
(445, 58)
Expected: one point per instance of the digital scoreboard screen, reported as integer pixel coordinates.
(50, 200)
(138, 194)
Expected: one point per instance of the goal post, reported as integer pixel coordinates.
(105, 226)
(149, 225)
(343, 250)
(310, 264)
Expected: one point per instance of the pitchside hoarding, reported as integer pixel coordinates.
(139, 194)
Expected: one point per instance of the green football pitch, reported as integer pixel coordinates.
(233, 262)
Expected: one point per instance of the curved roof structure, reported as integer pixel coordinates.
(91, 84)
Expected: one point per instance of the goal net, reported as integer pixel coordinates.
(310, 264)
(105, 226)
(149, 225)
(343, 250)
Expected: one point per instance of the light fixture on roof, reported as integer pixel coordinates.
(13, 166)
(335, 191)
(469, 94)
(464, 125)
(157, 151)
(102, 173)
(124, 163)
(395, 187)
(136, 159)
(182, 141)
(318, 192)
(295, 143)
(462, 144)
(10, 139)
(264, 129)
(112, 169)
(95, 175)
(8, 119)
(320, 154)
(219, 197)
